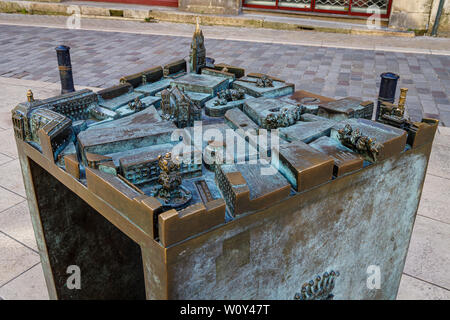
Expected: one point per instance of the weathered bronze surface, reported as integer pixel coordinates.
(345, 160)
(376, 141)
(259, 198)
(304, 166)
(270, 113)
(355, 140)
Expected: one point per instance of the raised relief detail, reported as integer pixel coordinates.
(356, 141)
(319, 288)
(264, 82)
(282, 118)
(170, 192)
(228, 95)
(136, 105)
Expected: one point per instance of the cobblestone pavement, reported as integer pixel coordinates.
(100, 58)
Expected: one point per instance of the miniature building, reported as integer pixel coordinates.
(142, 167)
(177, 106)
(74, 105)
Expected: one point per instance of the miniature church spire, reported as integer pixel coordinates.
(197, 27)
(197, 56)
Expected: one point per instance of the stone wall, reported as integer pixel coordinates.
(444, 25)
(211, 6)
(418, 15)
(48, 0)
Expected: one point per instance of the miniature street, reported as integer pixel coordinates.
(349, 68)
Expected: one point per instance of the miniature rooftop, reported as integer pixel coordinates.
(199, 144)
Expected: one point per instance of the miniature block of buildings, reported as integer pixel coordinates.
(253, 86)
(345, 160)
(201, 83)
(250, 198)
(271, 113)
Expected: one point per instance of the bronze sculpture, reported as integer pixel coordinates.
(227, 95)
(264, 82)
(159, 228)
(355, 140)
(170, 192)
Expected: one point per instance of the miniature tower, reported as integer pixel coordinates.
(198, 51)
(402, 100)
(165, 104)
(30, 97)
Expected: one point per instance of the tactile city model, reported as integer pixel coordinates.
(265, 187)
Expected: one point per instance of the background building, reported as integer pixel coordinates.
(417, 15)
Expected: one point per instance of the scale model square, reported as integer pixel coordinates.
(306, 131)
(308, 100)
(146, 102)
(120, 101)
(152, 88)
(213, 109)
(201, 83)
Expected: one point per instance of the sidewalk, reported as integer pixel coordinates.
(334, 65)
(427, 269)
(361, 41)
(246, 19)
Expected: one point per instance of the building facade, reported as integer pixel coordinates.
(417, 15)
(340, 7)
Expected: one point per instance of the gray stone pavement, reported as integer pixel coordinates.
(427, 269)
(334, 65)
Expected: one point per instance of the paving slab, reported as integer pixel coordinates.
(442, 136)
(8, 199)
(435, 203)
(429, 255)
(11, 177)
(16, 223)
(4, 159)
(8, 143)
(439, 161)
(15, 259)
(28, 286)
(415, 289)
